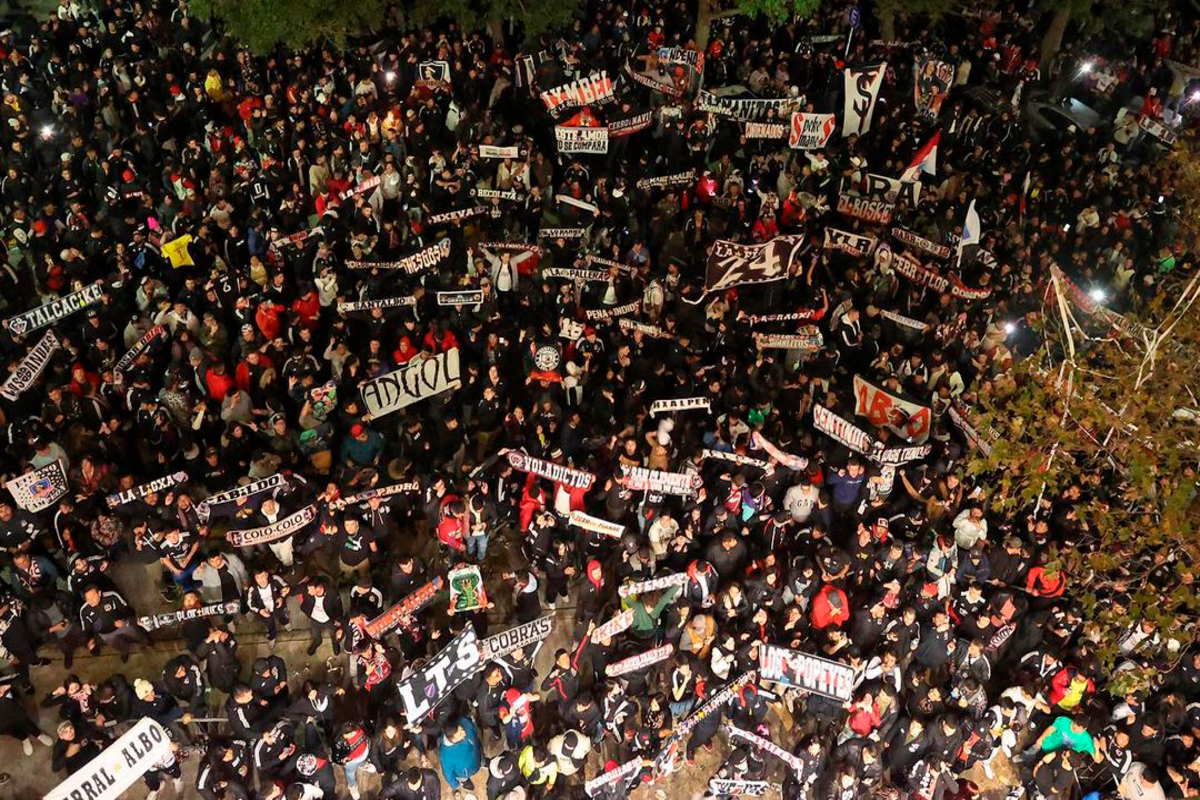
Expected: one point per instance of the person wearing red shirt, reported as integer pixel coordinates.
(440, 340)
(219, 383)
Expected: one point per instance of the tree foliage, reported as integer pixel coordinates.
(536, 16)
(263, 24)
(1184, 163)
(1119, 419)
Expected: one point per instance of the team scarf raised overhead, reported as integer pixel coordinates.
(138, 492)
(621, 622)
(40, 488)
(595, 524)
(731, 264)
(640, 660)
(653, 585)
(640, 479)
(602, 314)
(153, 622)
(561, 233)
(347, 306)
(402, 612)
(790, 461)
(275, 531)
(686, 178)
(505, 642)
(276, 481)
(366, 186)
(684, 729)
(748, 110)
(796, 316)
(916, 242)
(455, 216)
(417, 262)
(31, 366)
(523, 462)
(297, 239)
(607, 263)
(469, 297)
(573, 274)
(55, 310)
(384, 492)
(492, 151)
(766, 746)
(629, 125)
(653, 331)
(594, 90)
(624, 772)
(139, 347)
(903, 321)
(679, 404)
(652, 83)
(722, 787)
(736, 458)
(510, 195)
(582, 205)
(847, 242)
(808, 340)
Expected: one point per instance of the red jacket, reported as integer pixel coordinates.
(218, 385)
(830, 607)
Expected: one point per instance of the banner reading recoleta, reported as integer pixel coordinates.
(55, 310)
(411, 384)
(417, 262)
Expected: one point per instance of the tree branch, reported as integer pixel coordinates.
(729, 12)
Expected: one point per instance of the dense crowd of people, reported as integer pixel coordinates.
(233, 236)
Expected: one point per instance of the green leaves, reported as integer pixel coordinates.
(261, 25)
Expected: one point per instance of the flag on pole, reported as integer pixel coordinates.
(970, 231)
(925, 160)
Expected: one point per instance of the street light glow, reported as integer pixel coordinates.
(389, 76)
(1010, 328)
(1098, 294)
(47, 131)
(1087, 67)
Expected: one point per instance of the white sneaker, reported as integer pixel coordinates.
(152, 795)
(27, 746)
(354, 792)
(45, 739)
(178, 785)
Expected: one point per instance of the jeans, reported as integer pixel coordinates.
(477, 547)
(680, 709)
(351, 768)
(183, 579)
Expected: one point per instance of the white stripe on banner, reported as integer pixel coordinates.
(141, 748)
